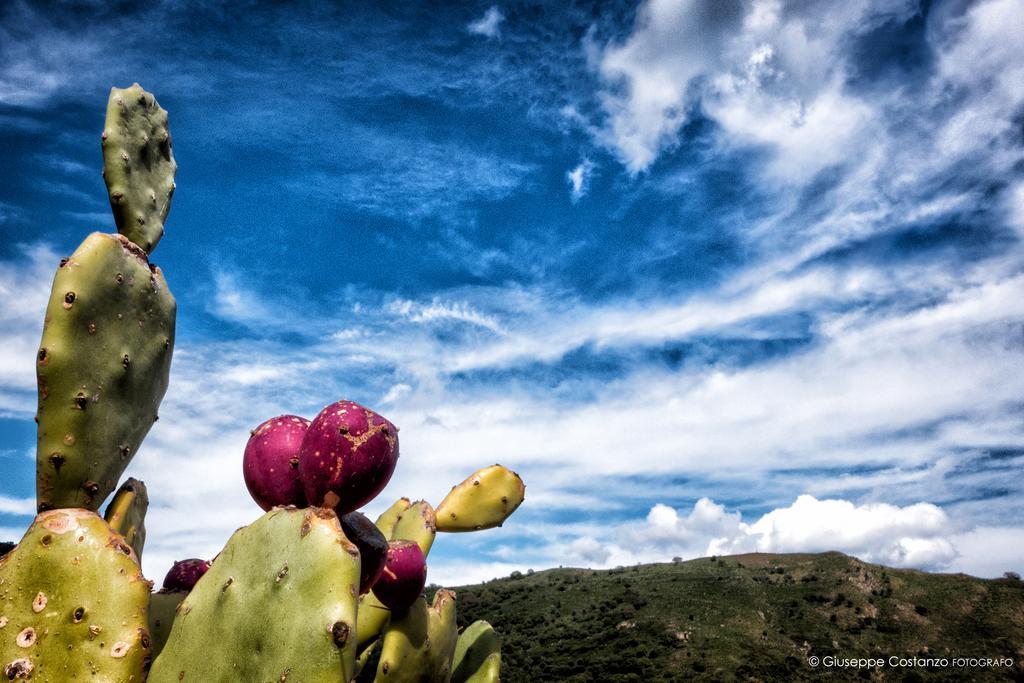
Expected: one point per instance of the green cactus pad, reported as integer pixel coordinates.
(126, 514)
(102, 369)
(373, 616)
(73, 603)
(477, 655)
(416, 523)
(419, 646)
(163, 605)
(387, 519)
(277, 604)
(138, 165)
(484, 500)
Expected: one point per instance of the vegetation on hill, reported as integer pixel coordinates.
(748, 617)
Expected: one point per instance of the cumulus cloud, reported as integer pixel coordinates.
(489, 25)
(919, 535)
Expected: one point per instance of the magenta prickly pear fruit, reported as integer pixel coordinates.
(404, 576)
(184, 574)
(347, 457)
(271, 462)
(373, 547)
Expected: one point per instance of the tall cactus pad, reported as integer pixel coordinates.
(277, 604)
(138, 165)
(484, 500)
(73, 603)
(416, 523)
(419, 646)
(126, 514)
(477, 655)
(163, 605)
(102, 369)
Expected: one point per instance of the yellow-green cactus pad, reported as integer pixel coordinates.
(73, 603)
(372, 618)
(419, 646)
(416, 523)
(277, 604)
(102, 369)
(138, 165)
(126, 513)
(477, 655)
(387, 519)
(484, 500)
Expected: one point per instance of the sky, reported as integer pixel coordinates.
(712, 277)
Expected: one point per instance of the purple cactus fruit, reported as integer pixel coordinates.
(373, 547)
(271, 462)
(184, 574)
(347, 456)
(405, 574)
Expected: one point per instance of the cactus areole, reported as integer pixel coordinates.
(347, 456)
(405, 575)
(270, 465)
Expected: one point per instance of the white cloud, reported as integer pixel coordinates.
(489, 25)
(919, 535)
(24, 290)
(579, 179)
(17, 506)
(438, 310)
(774, 76)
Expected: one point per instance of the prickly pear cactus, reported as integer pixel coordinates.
(163, 605)
(419, 646)
(416, 523)
(138, 165)
(277, 604)
(73, 603)
(477, 655)
(102, 369)
(484, 500)
(126, 513)
(388, 518)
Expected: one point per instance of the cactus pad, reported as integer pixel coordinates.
(163, 605)
(477, 655)
(419, 646)
(387, 519)
(484, 500)
(126, 514)
(138, 165)
(73, 603)
(277, 604)
(416, 523)
(102, 369)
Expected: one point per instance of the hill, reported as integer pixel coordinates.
(749, 617)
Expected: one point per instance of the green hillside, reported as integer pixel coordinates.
(747, 617)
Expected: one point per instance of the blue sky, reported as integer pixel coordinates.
(713, 277)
